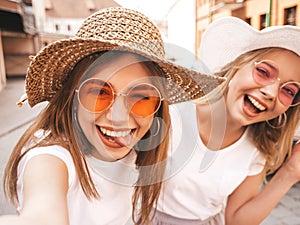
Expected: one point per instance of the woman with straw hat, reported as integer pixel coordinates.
(236, 137)
(103, 136)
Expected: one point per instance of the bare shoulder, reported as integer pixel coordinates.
(45, 180)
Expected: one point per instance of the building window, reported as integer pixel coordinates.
(248, 20)
(290, 16)
(263, 21)
(69, 27)
(56, 27)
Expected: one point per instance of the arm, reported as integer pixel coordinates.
(247, 205)
(45, 190)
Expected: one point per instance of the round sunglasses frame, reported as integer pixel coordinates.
(271, 81)
(115, 95)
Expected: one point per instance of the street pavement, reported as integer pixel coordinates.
(15, 120)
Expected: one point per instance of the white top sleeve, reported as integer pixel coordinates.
(257, 164)
(113, 207)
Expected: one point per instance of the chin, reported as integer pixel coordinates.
(119, 155)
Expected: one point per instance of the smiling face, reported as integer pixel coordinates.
(115, 130)
(251, 101)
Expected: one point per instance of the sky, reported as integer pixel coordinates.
(155, 9)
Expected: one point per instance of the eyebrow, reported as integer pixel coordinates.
(270, 65)
(142, 87)
(138, 87)
(268, 62)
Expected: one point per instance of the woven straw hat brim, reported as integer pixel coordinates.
(229, 37)
(50, 67)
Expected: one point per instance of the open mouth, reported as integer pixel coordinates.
(116, 138)
(253, 105)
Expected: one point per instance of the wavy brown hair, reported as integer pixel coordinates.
(274, 144)
(57, 118)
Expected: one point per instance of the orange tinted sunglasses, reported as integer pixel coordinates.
(96, 96)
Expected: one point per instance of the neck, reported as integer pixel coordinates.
(216, 129)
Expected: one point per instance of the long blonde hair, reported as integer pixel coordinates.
(275, 144)
(57, 118)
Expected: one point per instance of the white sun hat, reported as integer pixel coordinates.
(227, 38)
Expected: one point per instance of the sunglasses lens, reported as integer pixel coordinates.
(144, 100)
(95, 95)
(289, 94)
(263, 74)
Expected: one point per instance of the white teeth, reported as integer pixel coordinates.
(256, 104)
(113, 133)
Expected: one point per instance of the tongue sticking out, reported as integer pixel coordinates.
(116, 139)
(123, 141)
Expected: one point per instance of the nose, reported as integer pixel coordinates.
(118, 111)
(270, 91)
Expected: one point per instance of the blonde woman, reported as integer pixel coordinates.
(241, 134)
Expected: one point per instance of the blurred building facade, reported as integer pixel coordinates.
(255, 12)
(28, 25)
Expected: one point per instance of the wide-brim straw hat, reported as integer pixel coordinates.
(113, 28)
(229, 37)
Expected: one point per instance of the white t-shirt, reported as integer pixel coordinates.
(114, 206)
(198, 180)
